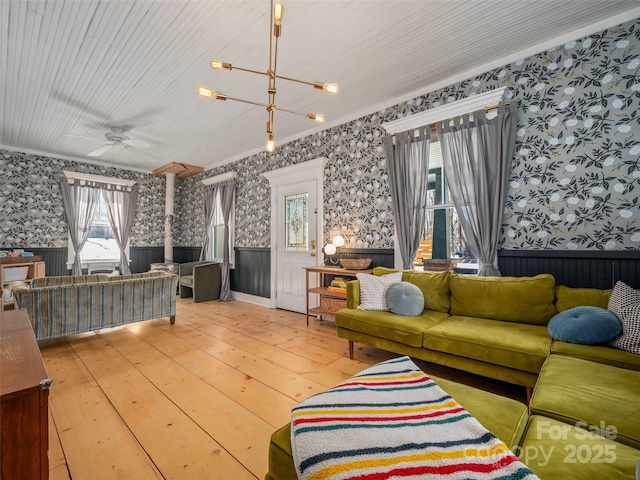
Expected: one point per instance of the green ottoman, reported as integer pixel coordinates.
(504, 417)
(556, 450)
(595, 396)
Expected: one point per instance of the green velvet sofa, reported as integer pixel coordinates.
(583, 420)
(490, 326)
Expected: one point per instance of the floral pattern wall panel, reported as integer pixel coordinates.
(575, 176)
(31, 206)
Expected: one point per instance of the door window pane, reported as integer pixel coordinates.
(296, 227)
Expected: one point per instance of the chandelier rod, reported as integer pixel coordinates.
(228, 66)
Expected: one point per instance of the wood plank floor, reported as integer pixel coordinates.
(198, 399)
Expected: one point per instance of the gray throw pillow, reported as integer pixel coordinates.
(405, 298)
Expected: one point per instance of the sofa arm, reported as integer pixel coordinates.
(353, 294)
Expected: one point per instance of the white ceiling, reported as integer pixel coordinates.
(80, 67)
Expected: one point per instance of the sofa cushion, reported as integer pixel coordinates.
(373, 290)
(585, 325)
(601, 397)
(405, 298)
(186, 280)
(509, 426)
(567, 297)
(62, 280)
(511, 299)
(556, 450)
(520, 346)
(434, 286)
(598, 353)
(133, 276)
(387, 325)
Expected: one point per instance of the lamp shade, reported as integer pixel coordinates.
(330, 249)
(338, 241)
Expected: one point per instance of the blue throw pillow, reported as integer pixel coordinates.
(405, 298)
(585, 325)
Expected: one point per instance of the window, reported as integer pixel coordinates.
(216, 245)
(442, 232)
(101, 243)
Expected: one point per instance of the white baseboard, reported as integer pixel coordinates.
(255, 300)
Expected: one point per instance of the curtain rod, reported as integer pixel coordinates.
(433, 125)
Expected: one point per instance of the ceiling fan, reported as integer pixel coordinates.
(117, 138)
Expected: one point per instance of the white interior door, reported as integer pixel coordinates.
(296, 244)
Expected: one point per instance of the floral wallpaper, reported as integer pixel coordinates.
(575, 176)
(574, 183)
(31, 204)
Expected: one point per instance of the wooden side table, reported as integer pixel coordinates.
(335, 299)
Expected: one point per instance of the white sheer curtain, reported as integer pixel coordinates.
(210, 195)
(121, 209)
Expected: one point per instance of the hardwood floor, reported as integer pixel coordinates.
(198, 399)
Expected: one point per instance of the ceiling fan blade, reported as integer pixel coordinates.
(136, 142)
(145, 155)
(100, 151)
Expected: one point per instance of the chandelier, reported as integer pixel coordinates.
(277, 10)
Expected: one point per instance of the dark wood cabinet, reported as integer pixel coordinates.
(24, 393)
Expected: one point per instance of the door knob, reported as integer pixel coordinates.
(313, 254)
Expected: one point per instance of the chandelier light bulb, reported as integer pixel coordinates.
(330, 249)
(331, 88)
(206, 92)
(338, 241)
(278, 11)
(271, 146)
(316, 117)
(216, 63)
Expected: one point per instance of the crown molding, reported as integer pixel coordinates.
(219, 178)
(444, 112)
(98, 178)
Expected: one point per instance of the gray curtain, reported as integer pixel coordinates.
(227, 193)
(210, 193)
(80, 203)
(408, 167)
(121, 209)
(477, 157)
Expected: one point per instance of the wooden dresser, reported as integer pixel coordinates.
(24, 393)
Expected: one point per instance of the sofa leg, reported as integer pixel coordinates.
(529, 394)
(172, 319)
(351, 349)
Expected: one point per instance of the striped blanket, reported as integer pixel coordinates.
(393, 421)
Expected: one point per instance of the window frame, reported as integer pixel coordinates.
(218, 222)
(71, 176)
(218, 214)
